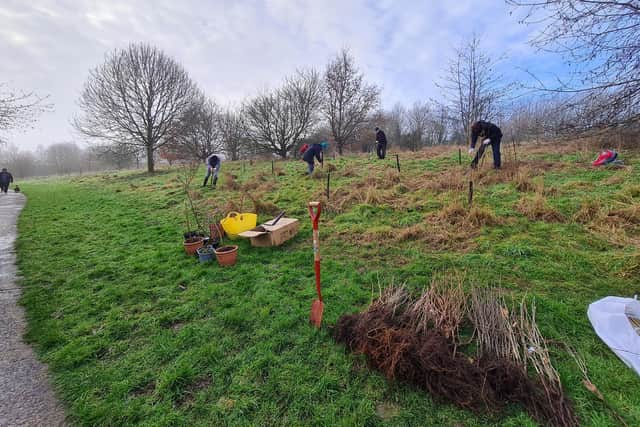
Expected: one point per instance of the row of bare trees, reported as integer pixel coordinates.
(140, 99)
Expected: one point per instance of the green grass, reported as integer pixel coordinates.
(136, 332)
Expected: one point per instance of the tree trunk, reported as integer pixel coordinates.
(150, 159)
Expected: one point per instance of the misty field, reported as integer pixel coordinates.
(136, 332)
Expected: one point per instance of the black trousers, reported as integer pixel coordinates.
(495, 148)
(381, 149)
(4, 187)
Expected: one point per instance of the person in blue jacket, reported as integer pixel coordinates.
(489, 134)
(5, 179)
(311, 152)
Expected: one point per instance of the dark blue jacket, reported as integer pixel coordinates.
(6, 178)
(485, 130)
(381, 138)
(314, 150)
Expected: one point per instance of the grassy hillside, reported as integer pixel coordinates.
(136, 332)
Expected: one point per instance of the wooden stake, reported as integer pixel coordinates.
(459, 156)
(272, 168)
(470, 193)
(328, 181)
(398, 162)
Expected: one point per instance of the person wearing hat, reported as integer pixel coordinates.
(381, 140)
(309, 152)
(489, 134)
(5, 179)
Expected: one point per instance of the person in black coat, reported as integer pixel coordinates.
(5, 179)
(213, 163)
(489, 134)
(381, 140)
(309, 152)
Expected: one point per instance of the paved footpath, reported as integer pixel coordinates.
(26, 397)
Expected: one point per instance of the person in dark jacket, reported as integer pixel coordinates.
(213, 163)
(489, 134)
(309, 152)
(381, 140)
(5, 179)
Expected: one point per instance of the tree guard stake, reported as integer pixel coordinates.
(398, 162)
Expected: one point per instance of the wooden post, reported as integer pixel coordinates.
(398, 162)
(272, 168)
(470, 193)
(328, 181)
(459, 156)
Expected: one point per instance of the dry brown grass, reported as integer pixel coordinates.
(229, 182)
(589, 210)
(537, 208)
(264, 207)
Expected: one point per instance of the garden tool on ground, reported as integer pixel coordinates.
(318, 306)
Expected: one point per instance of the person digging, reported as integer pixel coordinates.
(309, 152)
(5, 179)
(489, 134)
(213, 163)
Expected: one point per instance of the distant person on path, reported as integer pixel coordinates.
(213, 163)
(489, 134)
(5, 179)
(381, 140)
(309, 152)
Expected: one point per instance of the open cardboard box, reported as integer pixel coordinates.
(272, 235)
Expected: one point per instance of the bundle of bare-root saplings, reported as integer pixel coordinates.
(419, 341)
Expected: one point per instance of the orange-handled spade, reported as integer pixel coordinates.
(318, 306)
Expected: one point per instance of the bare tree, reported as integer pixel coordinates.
(233, 132)
(64, 158)
(349, 100)
(471, 85)
(278, 119)
(198, 134)
(116, 155)
(600, 39)
(19, 110)
(137, 97)
(418, 118)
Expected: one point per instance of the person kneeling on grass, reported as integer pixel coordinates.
(5, 179)
(213, 163)
(489, 134)
(309, 152)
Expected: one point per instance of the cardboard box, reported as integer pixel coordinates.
(272, 235)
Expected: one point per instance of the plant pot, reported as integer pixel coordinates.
(205, 253)
(227, 255)
(192, 244)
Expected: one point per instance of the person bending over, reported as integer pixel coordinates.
(489, 134)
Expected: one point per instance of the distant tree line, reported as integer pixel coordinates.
(140, 105)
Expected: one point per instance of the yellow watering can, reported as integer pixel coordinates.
(236, 223)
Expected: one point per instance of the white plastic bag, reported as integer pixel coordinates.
(609, 317)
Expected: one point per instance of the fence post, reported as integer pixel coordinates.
(398, 162)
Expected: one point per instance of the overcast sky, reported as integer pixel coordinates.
(232, 48)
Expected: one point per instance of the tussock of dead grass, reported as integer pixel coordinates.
(537, 208)
(318, 174)
(264, 207)
(589, 210)
(329, 167)
(229, 182)
(451, 179)
(195, 194)
(523, 181)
